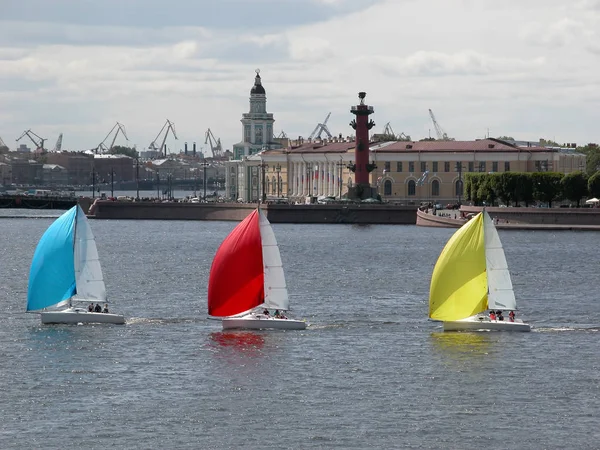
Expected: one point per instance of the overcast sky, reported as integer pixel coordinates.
(524, 68)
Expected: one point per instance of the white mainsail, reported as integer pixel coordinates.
(88, 272)
(501, 294)
(276, 294)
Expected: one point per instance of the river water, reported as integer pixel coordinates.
(369, 372)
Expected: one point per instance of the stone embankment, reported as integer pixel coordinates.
(353, 213)
(583, 219)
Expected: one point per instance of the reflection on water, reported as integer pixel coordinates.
(240, 341)
(460, 348)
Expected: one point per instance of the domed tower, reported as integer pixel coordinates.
(257, 124)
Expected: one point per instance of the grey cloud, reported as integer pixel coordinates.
(230, 14)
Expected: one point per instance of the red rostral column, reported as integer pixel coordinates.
(362, 125)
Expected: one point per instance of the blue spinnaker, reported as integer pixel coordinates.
(52, 272)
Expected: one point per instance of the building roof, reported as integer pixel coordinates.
(323, 147)
(257, 88)
(480, 145)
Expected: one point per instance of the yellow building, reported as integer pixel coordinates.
(407, 172)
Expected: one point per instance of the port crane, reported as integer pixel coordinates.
(169, 126)
(58, 145)
(39, 143)
(441, 134)
(102, 148)
(215, 144)
(282, 135)
(2, 144)
(320, 128)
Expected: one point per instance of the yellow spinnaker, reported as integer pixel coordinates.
(459, 281)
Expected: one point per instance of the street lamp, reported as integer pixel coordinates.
(137, 177)
(264, 167)
(112, 182)
(157, 184)
(204, 165)
(340, 166)
(278, 171)
(93, 182)
(459, 187)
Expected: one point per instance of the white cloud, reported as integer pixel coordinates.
(477, 64)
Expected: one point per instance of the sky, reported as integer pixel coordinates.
(528, 69)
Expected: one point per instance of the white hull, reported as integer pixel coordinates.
(78, 315)
(483, 323)
(261, 322)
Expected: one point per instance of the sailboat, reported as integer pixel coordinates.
(247, 279)
(470, 277)
(65, 269)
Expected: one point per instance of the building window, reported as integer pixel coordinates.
(482, 166)
(458, 166)
(471, 165)
(258, 135)
(399, 166)
(411, 166)
(507, 166)
(412, 188)
(386, 166)
(434, 166)
(458, 188)
(435, 188)
(273, 186)
(423, 166)
(387, 187)
(447, 166)
(246, 133)
(495, 166)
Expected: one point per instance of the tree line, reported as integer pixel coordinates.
(529, 187)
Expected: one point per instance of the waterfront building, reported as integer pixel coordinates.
(55, 175)
(79, 165)
(257, 124)
(406, 172)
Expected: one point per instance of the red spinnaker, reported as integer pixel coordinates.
(236, 282)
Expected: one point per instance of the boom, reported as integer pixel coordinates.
(169, 126)
(102, 148)
(441, 134)
(39, 145)
(320, 128)
(215, 144)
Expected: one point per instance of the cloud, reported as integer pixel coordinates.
(71, 67)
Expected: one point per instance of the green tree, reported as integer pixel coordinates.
(594, 185)
(487, 189)
(547, 186)
(120, 150)
(592, 158)
(548, 142)
(575, 186)
(524, 187)
(506, 138)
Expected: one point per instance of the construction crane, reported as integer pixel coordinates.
(282, 135)
(58, 145)
(2, 144)
(441, 134)
(39, 144)
(320, 128)
(169, 126)
(215, 144)
(102, 148)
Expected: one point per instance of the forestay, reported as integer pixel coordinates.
(501, 294)
(88, 272)
(276, 294)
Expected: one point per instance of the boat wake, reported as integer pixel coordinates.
(564, 328)
(164, 321)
